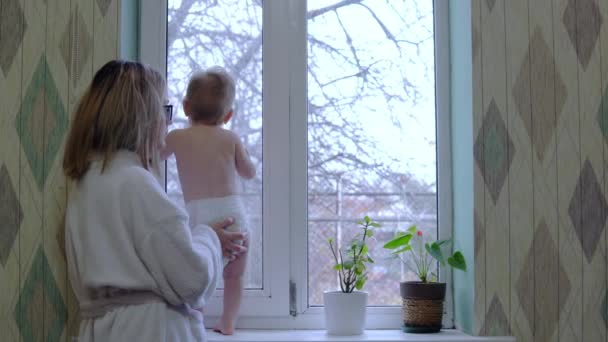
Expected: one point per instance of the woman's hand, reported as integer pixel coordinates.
(233, 243)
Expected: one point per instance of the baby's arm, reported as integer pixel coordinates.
(169, 147)
(244, 166)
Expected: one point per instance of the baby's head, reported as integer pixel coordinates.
(210, 96)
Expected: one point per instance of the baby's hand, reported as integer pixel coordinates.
(167, 150)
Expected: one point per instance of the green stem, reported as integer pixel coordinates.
(418, 265)
(342, 271)
(356, 256)
(331, 246)
(430, 263)
(423, 260)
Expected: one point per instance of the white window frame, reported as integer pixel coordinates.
(283, 302)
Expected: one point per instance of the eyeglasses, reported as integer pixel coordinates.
(168, 112)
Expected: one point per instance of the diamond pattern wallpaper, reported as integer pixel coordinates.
(41, 138)
(49, 51)
(540, 84)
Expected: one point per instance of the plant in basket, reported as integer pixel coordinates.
(423, 299)
(345, 310)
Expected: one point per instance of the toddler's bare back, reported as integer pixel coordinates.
(209, 161)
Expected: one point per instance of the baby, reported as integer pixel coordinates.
(209, 161)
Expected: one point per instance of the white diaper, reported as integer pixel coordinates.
(210, 210)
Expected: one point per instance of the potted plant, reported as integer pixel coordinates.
(345, 310)
(423, 299)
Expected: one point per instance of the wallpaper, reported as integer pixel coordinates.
(540, 75)
(49, 50)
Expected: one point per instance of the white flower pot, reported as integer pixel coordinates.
(345, 312)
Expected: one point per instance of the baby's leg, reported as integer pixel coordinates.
(233, 292)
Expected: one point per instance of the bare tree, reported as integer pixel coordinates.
(345, 74)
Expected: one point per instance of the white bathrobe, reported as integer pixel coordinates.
(123, 232)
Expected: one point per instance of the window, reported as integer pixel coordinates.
(336, 102)
(371, 132)
(227, 33)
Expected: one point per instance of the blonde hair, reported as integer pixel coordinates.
(210, 95)
(121, 110)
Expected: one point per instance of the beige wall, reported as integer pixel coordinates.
(540, 130)
(49, 50)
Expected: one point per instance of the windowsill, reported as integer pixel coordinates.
(369, 335)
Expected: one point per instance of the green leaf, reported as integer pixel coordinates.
(442, 242)
(348, 264)
(365, 250)
(433, 277)
(457, 261)
(330, 240)
(370, 260)
(399, 241)
(435, 251)
(358, 270)
(369, 233)
(361, 223)
(367, 219)
(338, 267)
(402, 250)
(375, 225)
(360, 282)
(413, 230)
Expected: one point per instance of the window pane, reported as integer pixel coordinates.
(227, 33)
(371, 132)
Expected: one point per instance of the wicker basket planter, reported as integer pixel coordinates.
(422, 306)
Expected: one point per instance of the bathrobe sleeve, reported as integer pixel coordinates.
(186, 264)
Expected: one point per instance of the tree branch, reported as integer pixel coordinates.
(320, 11)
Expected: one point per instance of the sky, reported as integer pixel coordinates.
(412, 141)
(404, 131)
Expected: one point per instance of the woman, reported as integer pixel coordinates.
(138, 270)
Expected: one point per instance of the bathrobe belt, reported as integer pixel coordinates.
(106, 299)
